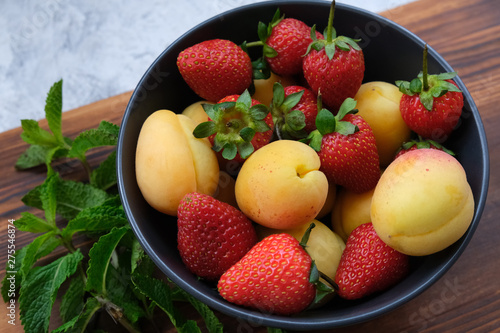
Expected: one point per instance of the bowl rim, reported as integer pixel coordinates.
(304, 323)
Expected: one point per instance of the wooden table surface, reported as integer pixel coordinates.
(467, 298)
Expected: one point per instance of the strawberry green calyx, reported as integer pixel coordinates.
(234, 125)
(332, 40)
(428, 86)
(264, 31)
(327, 123)
(322, 289)
(288, 123)
(425, 144)
(260, 67)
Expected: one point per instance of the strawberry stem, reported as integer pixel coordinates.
(255, 43)
(329, 31)
(424, 71)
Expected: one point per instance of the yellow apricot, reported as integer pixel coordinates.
(378, 104)
(422, 203)
(350, 211)
(196, 112)
(280, 185)
(170, 162)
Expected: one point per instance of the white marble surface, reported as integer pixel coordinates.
(99, 48)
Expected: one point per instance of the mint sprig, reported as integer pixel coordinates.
(97, 281)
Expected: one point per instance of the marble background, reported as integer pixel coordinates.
(99, 48)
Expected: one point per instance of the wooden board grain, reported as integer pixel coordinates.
(467, 298)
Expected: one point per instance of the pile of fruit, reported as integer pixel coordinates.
(293, 180)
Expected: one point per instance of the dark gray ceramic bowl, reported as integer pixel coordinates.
(391, 53)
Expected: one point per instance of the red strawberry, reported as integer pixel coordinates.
(212, 235)
(368, 265)
(238, 125)
(285, 42)
(334, 67)
(272, 277)
(431, 105)
(346, 146)
(215, 68)
(421, 144)
(294, 110)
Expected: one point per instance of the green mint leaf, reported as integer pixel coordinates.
(73, 300)
(296, 120)
(141, 263)
(39, 290)
(97, 219)
(79, 323)
(53, 110)
(99, 259)
(38, 248)
(104, 176)
(49, 199)
(32, 223)
(230, 151)
(35, 135)
(36, 155)
(189, 326)
(13, 276)
(136, 256)
(325, 122)
(119, 291)
(204, 129)
(105, 135)
(161, 294)
(71, 196)
(211, 321)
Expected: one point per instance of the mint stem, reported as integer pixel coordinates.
(329, 31)
(86, 166)
(424, 71)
